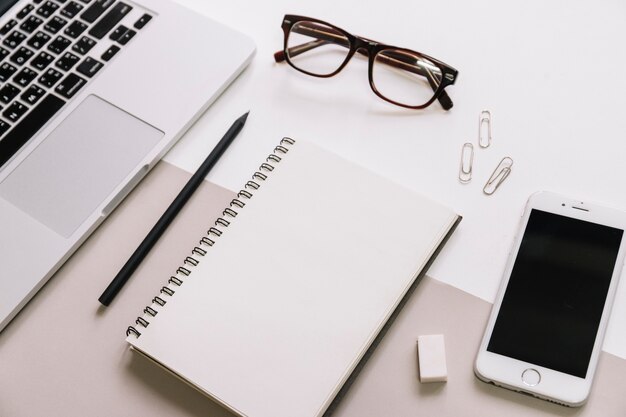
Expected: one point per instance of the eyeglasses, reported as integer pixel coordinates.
(400, 76)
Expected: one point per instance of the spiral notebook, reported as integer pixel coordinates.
(281, 302)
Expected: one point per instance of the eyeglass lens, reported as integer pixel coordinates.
(404, 77)
(317, 48)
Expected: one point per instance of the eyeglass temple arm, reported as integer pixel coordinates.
(326, 37)
(300, 49)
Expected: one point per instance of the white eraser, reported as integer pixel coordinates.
(431, 354)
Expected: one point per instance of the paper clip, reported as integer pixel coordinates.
(484, 120)
(498, 176)
(465, 168)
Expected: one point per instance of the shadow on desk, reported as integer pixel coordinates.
(173, 390)
(389, 385)
(63, 357)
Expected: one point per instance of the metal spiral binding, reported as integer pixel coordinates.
(228, 214)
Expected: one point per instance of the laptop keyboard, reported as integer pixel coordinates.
(48, 52)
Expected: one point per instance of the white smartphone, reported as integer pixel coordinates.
(548, 321)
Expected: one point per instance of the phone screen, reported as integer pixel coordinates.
(554, 299)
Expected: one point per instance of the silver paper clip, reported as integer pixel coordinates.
(498, 176)
(467, 163)
(484, 123)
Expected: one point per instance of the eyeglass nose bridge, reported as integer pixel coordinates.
(366, 48)
(361, 44)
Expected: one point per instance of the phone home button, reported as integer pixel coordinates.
(531, 377)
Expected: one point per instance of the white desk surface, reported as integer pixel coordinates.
(550, 73)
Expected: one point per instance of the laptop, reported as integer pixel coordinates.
(92, 94)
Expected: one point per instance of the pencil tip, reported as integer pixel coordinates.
(245, 116)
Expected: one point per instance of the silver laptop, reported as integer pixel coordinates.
(92, 95)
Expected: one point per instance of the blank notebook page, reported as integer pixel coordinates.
(280, 310)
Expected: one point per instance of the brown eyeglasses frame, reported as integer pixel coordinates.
(371, 49)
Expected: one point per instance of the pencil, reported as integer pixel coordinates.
(172, 211)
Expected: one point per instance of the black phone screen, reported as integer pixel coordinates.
(554, 299)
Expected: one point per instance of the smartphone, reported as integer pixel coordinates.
(548, 321)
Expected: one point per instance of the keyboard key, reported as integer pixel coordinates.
(70, 85)
(7, 27)
(143, 20)
(110, 53)
(42, 60)
(50, 78)
(24, 12)
(21, 56)
(95, 10)
(112, 18)
(75, 29)
(3, 53)
(47, 9)
(61, 1)
(85, 1)
(89, 67)
(6, 71)
(38, 40)
(33, 94)
(37, 1)
(126, 37)
(67, 61)
(8, 93)
(24, 130)
(24, 77)
(14, 39)
(84, 45)
(29, 25)
(72, 9)
(55, 24)
(4, 126)
(119, 31)
(59, 44)
(15, 111)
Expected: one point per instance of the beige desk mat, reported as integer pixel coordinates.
(65, 356)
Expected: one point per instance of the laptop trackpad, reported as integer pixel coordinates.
(79, 164)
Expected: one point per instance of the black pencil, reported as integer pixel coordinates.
(153, 236)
